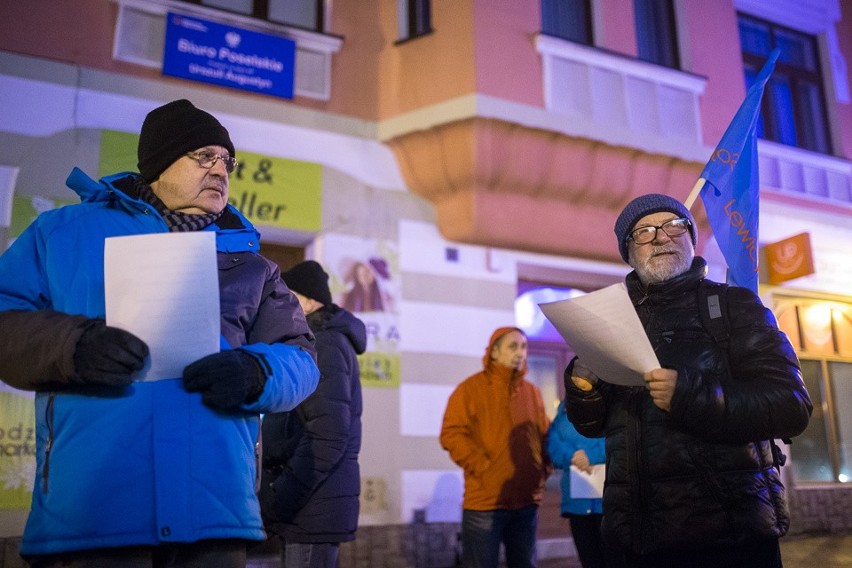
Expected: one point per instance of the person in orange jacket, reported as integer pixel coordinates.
(495, 428)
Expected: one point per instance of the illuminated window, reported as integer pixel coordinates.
(788, 320)
(841, 321)
(548, 353)
(530, 318)
(816, 329)
(821, 333)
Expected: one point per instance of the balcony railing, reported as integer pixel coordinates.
(621, 100)
(792, 171)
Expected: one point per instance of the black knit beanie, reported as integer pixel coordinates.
(309, 279)
(646, 205)
(172, 130)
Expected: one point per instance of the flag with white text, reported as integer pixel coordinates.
(731, 191)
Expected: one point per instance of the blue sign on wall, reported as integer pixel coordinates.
(231, 57)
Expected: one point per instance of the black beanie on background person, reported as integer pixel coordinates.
(646, 205)
(309, 279)
(172, 130)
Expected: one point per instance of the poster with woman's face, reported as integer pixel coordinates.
(364, 279)
(367, 282)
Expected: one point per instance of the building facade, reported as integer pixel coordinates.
(450, 162)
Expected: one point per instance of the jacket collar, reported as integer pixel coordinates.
(672, 288)
(234, 233)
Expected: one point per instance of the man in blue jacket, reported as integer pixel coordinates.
(156, 472)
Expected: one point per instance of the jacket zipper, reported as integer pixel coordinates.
(639, 496)
(49, 446)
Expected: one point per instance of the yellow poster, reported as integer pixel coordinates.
(25, 208)
(269, 191)
(17, 449)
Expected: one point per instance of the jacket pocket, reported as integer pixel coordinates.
(48, 420)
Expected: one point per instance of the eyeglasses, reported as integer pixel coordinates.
(673, 228)
(207, 159)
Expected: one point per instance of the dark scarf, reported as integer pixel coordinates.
(176, 221)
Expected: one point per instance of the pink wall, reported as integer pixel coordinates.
(506, 62)
(618, 29)
(53, 29)
(714, 52)
(844, 110)
(430, 69)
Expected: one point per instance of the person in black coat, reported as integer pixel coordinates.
(311, 479)
(692, 470)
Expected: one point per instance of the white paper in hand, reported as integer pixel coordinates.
(604, 331)
(164, 288)
(587, 485)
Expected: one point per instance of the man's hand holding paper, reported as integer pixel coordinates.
(661, 383)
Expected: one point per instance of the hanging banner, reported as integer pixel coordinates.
(210, 52)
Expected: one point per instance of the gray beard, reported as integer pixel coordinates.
(666, 268)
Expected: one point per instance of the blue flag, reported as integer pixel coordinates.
(731, 191)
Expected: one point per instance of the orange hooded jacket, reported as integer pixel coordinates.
(495, 428)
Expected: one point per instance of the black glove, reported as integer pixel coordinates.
(226, 379)
(108, 355)
(577, 369)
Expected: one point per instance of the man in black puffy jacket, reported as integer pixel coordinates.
(692, 479)
(311, 479)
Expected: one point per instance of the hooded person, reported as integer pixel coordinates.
(311, 477)
(127, 469)
(495, 429)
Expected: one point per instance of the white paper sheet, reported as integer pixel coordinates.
(604, 331)
(164, 288)
(587, 485)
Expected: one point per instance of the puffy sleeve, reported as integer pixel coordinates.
(760, 396)
(284, 344)
(587, 410)
(37, 343)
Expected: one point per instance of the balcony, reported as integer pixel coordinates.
(796, 173)
(622, 101)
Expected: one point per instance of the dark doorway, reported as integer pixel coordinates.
(284, 256)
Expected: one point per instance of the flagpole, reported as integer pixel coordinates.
(693, 195)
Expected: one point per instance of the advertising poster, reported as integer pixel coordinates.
(365, 279)
(17, 448)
